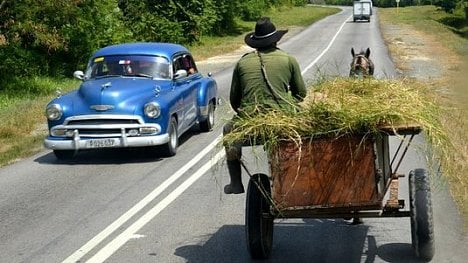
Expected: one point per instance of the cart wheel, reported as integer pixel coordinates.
(422, 229)
(258, 218)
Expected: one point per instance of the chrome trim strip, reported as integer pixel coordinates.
(104, 127)
(102, 117)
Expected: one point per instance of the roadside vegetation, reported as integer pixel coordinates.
(451, 55)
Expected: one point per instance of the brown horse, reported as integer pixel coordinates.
(362, 65)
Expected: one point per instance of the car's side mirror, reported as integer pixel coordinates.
(181, 73)
(78, 74)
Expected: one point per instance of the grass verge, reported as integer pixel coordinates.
(22, 115)
(449, 50)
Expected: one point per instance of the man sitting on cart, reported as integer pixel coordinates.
(262, 80)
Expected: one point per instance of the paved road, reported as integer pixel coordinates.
(123, 206)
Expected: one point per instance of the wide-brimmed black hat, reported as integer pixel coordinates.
(265, 34)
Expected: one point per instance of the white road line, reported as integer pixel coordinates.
(327, 48)
(138, 207)
(130, 232)
(115, 244)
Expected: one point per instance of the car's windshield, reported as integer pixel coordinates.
(140, 66)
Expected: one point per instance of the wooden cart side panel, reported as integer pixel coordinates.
(324, 172)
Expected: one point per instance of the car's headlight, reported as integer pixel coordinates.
(54, 112)
(152, 110)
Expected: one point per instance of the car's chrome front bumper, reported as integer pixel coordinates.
(77, 143)
(102, 131)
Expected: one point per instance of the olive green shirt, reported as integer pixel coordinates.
(249, 88)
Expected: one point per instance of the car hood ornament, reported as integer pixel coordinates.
(157, 90)
(106, 85)
(101, 107)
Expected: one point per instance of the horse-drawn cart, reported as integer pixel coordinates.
(342, 177)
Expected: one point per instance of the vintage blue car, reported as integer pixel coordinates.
(132, 95)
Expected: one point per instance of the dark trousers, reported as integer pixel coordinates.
(233, 151)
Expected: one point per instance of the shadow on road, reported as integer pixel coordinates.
(308, 240)
(102, 156)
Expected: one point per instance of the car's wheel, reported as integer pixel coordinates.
(258, 217)
(207, 125)
(64, 154)
(422, 229)
(170, 148)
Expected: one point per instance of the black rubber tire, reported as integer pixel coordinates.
(422, 227)
(258, 218)
(64, 154)
(207, 125)
(170, 148)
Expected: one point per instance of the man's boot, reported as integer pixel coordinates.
(235, 173)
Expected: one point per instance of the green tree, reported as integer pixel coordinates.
(447, 5)
(53, 37)
(226, 12)
(170, 20)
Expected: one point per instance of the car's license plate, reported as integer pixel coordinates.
(101, 143)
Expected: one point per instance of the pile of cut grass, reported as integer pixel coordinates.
(345, 106)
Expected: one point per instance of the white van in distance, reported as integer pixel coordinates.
(362, 10)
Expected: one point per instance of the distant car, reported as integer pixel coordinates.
(132, 95)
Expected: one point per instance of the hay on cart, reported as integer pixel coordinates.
(345, 106)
